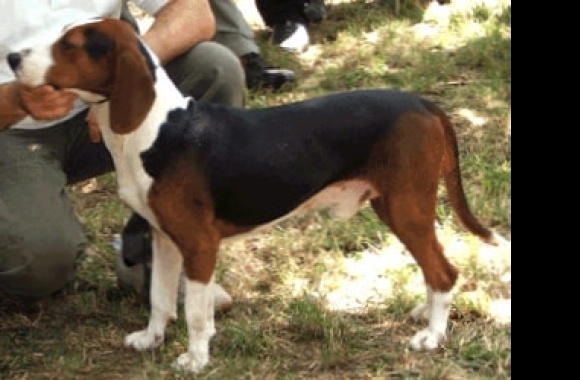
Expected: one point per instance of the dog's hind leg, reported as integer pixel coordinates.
(440, 276)
(407, 201)
(436, 309)
(167, 263)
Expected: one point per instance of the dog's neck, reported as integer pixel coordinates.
(126, 149)
(167, 98)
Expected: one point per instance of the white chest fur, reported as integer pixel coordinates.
(132, 179)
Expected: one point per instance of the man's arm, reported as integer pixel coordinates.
(179, 25)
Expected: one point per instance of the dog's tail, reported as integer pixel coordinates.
(452, 176)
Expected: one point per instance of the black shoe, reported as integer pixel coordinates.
(261, 74)
(315, 11)
(133, 264)
(136, 241)
(291, 36)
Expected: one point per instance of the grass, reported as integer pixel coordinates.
(317, 298)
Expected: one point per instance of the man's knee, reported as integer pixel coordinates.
(209, 72)
(36, 266)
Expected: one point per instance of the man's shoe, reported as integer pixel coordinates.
(261, 74)
(291, 36)
(315, 11)
(135, 252)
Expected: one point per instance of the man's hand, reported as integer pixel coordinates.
(45, 102)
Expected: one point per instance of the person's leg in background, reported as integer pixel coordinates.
(41, 238)
(233, 31)
(209, 71)
(289, 19)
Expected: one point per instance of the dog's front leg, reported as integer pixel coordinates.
(167, 264)
(199, 314)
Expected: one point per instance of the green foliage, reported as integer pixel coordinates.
(245, 339)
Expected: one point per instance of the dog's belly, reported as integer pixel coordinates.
(342, 200)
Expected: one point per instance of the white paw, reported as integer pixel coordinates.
(143, 340)
(426, 340)
(191, 363)
(420, 312)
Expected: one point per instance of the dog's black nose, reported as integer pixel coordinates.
(14, 60)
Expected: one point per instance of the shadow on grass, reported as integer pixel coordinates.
(80, 334)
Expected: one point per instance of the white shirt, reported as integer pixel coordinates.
(25, 23)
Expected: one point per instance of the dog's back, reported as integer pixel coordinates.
(261, 164)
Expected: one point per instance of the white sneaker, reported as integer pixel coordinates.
(291, 36)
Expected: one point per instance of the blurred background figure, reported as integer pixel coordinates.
(233, 31)
(289, 20)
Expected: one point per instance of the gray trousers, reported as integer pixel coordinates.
(232, 29)
(41, 238)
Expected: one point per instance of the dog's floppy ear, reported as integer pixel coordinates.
(133, 92)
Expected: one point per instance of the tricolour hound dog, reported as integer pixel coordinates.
(202, 173)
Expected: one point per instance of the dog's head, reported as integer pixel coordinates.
(99, 60)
